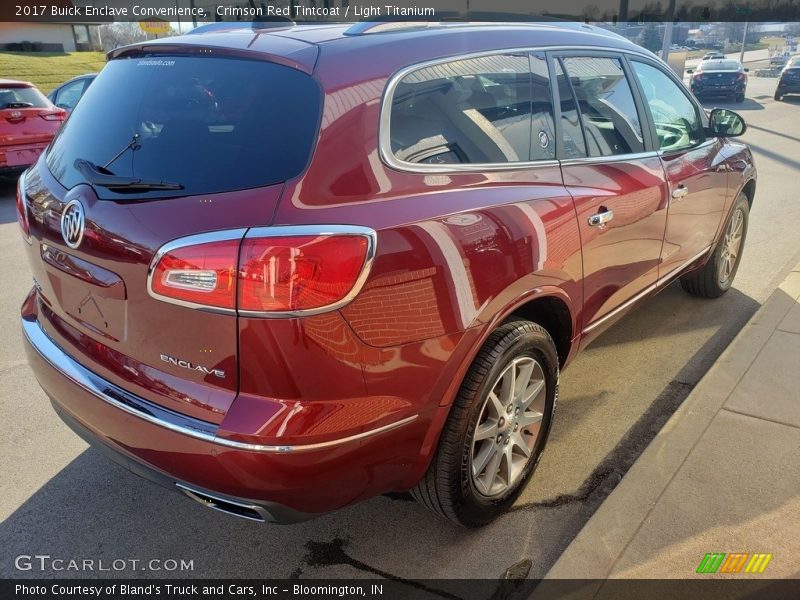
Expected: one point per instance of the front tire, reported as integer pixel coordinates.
(716, 277)
(497, 427)
(778, 96)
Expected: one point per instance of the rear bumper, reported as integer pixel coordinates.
(789, 87)
(20, 157)
(279, 483)
(726, 90)
(249, 509)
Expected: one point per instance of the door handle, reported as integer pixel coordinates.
(680, 191)
(601, 218)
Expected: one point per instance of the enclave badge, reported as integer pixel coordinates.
(72, 224)
(185, 364)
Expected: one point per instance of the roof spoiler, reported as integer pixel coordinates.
(256, 25)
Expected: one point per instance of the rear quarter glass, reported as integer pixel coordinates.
(210, 124)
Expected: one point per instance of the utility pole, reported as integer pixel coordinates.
(177, 16)
(744, 38)
(668, 31)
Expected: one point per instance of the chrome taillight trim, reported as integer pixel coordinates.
(143, 409)
(264, 232)
(23, 193)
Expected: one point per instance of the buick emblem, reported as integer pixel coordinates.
(72, 224)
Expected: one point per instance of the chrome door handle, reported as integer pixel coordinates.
(601, 218)
(680, 191)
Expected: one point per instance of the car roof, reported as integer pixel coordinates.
(293, 42)
(78, 77)
(15, 83)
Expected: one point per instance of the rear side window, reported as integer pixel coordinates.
(473, 111)
(69, 95)
(611, 124)
(21, 97)
(209, 124)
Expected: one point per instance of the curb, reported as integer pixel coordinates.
(599, 544)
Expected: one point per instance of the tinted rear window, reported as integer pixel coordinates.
(209, 124)
(721, 65)
(21, 97)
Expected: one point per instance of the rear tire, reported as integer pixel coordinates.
(492, 440)
(740, 98)
(716, 277)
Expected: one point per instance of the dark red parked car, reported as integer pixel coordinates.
(295, 268)
(28, 123)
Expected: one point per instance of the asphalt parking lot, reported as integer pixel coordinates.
(65, 500)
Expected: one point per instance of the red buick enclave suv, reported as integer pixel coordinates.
(284, 269)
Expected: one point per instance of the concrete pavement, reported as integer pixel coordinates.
(722, 476)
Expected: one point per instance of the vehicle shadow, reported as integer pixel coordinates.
(748, 104)
(94, 509)
(777, 156)
(773, 132)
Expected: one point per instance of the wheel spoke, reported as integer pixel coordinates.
(520, 443)
(507, 465)
(531, 394)
(485, 430)
(509, 384)
(523, 377)
(529, 418)
(490, 473)
(481, 459)
(496, 405)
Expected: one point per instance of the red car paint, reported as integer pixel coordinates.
(456, 255)
(26, 128)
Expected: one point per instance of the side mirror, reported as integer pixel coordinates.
(690, 70)
(725, 123)
(746, 70)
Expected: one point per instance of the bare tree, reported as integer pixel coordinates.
(121, 33)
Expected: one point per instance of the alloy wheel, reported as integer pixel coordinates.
(731, 246)
(508, 427)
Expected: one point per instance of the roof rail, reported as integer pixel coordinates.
(392, 24)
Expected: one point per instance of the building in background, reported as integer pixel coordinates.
(48, 36)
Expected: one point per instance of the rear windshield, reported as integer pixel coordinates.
(721, 65)
(208, 124)
(21, 97)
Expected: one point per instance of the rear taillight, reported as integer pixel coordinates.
(58, 114)
(271, 271)
(198, 271)
(741, 76)
(22, 210)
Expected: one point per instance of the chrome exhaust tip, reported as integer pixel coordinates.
(242, 510)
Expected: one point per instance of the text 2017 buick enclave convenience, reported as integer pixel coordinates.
(285, 269)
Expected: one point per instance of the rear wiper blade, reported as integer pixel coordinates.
(18, 105)
(105, 178)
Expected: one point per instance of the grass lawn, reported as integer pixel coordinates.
(47, 70)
